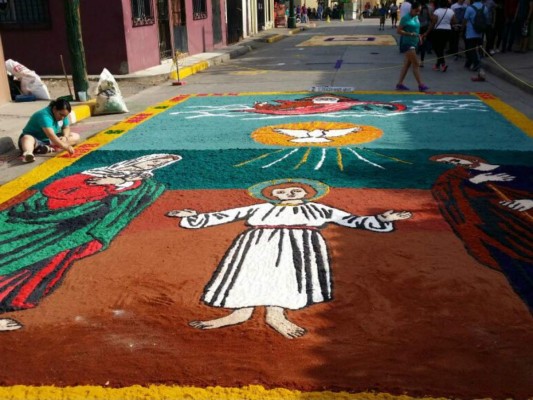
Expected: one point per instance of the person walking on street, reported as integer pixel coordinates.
(382, 16)
(320, 11)
(473, 38)
(47, 130)
(425, 22)
(509, 14)
(442, 20)
(524, 15)
(393, 15)
(409, 31)
(304, 14)
(459, 9)
(490, 33)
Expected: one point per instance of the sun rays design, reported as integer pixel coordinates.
(334, 141)
(316, 134)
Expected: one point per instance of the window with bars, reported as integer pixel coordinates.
(142, 12)
(199, 9)
(24, 14)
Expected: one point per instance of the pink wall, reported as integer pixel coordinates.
(39, 50)
(103, 36)
(110, 41)
(200, 32)
(142, 42)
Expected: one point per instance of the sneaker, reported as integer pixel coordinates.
(444, 68)
(435, 68)
(400, 86)
(422, 88)
(421, 65)
(28, 157)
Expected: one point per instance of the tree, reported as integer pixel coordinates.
(75, 45)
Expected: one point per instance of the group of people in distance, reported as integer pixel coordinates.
(485, 26)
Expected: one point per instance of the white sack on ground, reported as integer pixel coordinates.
(108, 97)
(30, 82)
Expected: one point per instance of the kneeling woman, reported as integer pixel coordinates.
(47, 130)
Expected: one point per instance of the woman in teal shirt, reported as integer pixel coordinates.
(409, 31)
(47, 130)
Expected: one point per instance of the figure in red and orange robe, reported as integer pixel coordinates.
(490, 207)
(321, 104)
(71, 218)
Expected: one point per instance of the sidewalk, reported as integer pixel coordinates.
(515, 68)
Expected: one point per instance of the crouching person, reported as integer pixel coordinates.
(48, 131)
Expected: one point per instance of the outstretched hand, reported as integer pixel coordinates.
(181, 213)
(391, 215)
(490, 177)
(518, 205)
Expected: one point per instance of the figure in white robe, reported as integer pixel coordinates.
(281, 262)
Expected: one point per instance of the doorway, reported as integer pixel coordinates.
(179, 23)
(234, 13)
(261, 15)
(163, 21)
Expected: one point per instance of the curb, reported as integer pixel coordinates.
(202, 65)
(497, 71)
(276, 37)
(82, 111)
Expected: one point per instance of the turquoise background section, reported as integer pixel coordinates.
(436, 122)
(215, 169)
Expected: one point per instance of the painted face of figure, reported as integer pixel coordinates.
(456, 161)
(59, 115)
(290, 193)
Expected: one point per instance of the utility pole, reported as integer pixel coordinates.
(291, 23)
(75, 46)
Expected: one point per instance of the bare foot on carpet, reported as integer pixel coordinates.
(236, 317)
(275, 317)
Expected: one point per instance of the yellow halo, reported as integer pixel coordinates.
(268, 135)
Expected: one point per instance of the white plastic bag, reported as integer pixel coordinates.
(108, 97)
(30, 82)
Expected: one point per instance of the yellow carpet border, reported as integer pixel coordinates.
(161, 392)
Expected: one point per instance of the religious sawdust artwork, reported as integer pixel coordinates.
(350, 40)
(282, 261)
(69, 219)
(315, 245)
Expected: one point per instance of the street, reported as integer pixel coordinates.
(283, 225)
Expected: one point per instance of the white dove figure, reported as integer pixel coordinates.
(316, 135)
